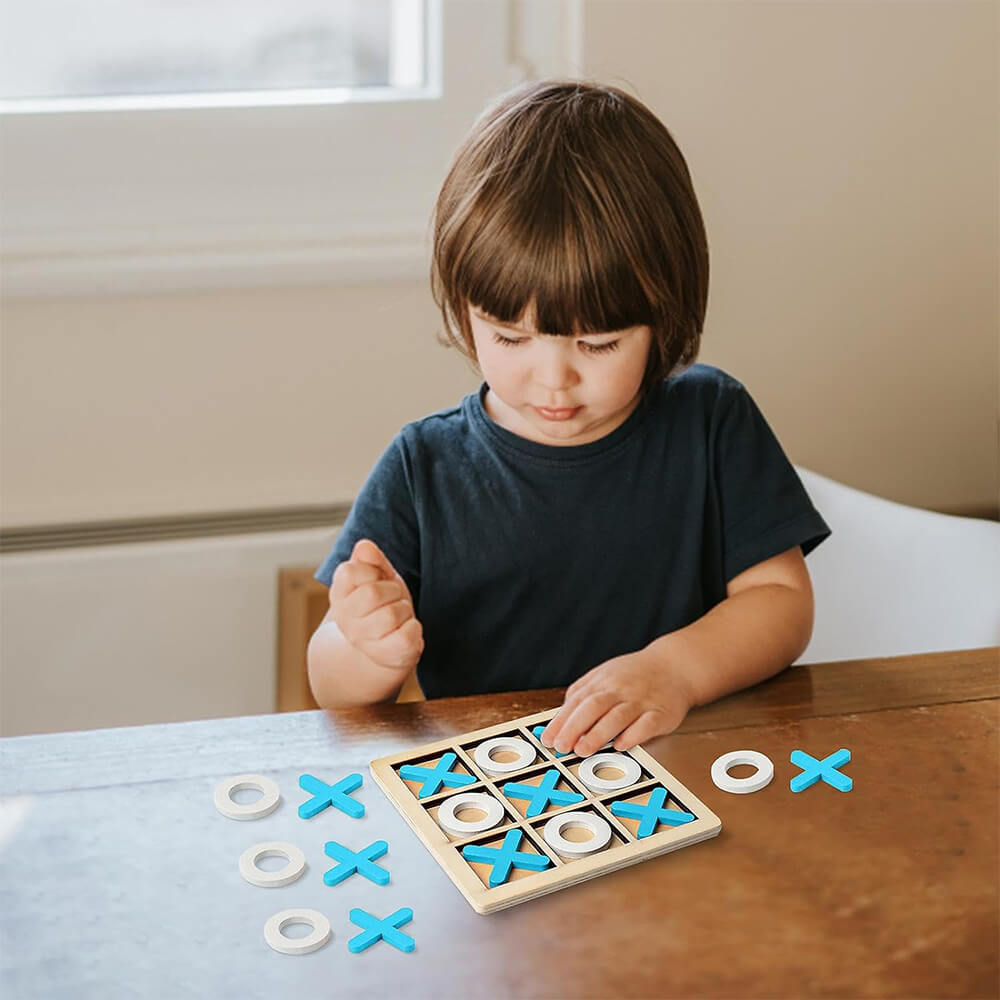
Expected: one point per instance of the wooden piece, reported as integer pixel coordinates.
(563, 872)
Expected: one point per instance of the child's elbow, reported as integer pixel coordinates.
(319, 669)
(804, 618)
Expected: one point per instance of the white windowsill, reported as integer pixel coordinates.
(205, 261)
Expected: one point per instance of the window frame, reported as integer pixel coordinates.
(318, 191)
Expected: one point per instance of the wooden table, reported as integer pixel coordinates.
(119, 878)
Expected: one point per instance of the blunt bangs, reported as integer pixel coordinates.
(539, 256)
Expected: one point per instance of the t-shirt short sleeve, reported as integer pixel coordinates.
(764, 507)
(384, 512)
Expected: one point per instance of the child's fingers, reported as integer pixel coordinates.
(548, 734)
(575, 693)
(582, 717)
(400, 649)
(367, 552)
(348, 576)
(608, 727)
(403, 647)
(579, 686)
(369, 597)
(648, 725)
(551, 731)
(379, 623)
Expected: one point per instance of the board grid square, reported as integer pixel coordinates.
(625, 847)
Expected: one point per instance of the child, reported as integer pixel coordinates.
(602, 513)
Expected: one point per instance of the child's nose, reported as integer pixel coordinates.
(555, 370)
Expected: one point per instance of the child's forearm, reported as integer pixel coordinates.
(743, 640)
(341, 676)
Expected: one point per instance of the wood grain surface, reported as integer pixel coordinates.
(119, 878)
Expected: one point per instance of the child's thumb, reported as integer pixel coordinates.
(366, 551)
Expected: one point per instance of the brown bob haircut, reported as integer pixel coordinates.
(571, 199)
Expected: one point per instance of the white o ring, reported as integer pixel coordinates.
(476, 800)
(266, 804)
(742, 786)
(572, 849)
(272, 849)
(588, 772)
(524, 750)
(297, 946)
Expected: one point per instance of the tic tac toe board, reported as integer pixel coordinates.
(651, 815)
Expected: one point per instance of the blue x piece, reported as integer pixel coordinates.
(505, 857)
(381, 930)
(651, 814)
(324, 795)
(539, 796)
(538, 730)
(362, 861)
(434, 777)
(813, 770)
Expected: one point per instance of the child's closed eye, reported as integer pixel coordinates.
(499, 338)
(611, 345)
(589, 348)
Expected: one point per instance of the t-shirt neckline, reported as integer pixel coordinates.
(551, 452)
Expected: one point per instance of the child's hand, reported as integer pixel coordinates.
(630, 697)
(373, 609)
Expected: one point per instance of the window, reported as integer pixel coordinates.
(249, 48)
(112, 183)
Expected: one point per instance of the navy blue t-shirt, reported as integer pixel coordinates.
(529, 563)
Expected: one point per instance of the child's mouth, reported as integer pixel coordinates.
(562, 414)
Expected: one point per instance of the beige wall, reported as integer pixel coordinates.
(845, 155)
(182, 403)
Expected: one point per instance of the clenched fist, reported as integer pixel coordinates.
(373, 609)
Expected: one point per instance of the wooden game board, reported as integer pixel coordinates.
(472, 878)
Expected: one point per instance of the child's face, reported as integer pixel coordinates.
(559, 390)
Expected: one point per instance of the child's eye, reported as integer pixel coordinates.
(611, 345)
(499, 338)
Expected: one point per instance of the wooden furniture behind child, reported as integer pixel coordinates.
(302, 603)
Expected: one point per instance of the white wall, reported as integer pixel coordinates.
(170, 404)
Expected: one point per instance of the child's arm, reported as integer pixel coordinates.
(370, 640)
(761, 627)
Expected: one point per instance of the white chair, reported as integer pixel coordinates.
(893, 579)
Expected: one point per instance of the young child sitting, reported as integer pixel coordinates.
(602, 513)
